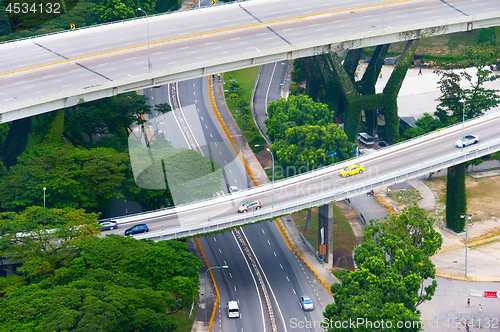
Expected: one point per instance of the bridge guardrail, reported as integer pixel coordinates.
(334, 195)
(307, 175)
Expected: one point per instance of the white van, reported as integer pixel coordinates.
(232, 309)
(365, 139)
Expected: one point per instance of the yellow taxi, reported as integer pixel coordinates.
(351, 170)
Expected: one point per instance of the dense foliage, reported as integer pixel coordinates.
(456, 198)
(393, 263)
(306, 147)
(72, 280)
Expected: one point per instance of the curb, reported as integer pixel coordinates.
(216, 303)
(228, 136)
(290, 244)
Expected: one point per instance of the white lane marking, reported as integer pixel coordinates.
(66, 85)
(243, 43)
(396, 162)
(220, 251)
(215, 144)
(194, 93)
(254, 281)
(35, 93)
(206, 126)
(287, 278)
(56, 81)
(111, 69)
(225, 162)
(268, 242)
(201, 117)
(193, 52)
(294, 291)
(235, 181)
(194, 85)
(47, 76)
(139, 63)
(157, 53)
(230, 171)
(220, 153)
(164, 58)
(275, 254)
(211, 135)
(262, 229)
(29, 87)
(281, 266)
(421, 154)
(230, 275)
(209, 43)
(215, 239)
(235, 288)
(84, 75)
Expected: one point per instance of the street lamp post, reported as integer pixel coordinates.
(44, 197)
(147, 24)
(467, 217)
(383, 14)
(463, 123)
(213, 267)
(272, 156)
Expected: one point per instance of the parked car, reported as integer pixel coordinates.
(381, 144)
(468, 140)
(108, 225)
(306, 303)
(351, 170)
(137, 229)
(249, 206)
(365, 139)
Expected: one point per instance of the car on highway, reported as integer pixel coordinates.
(306, 303)
(137, 229)
(233, 189)
(249, 206)
(468, 140)
(108, 225)
(232, 309)
(351, 170)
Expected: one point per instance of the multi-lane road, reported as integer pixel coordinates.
(105, 60)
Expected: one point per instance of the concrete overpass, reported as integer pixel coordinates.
(395, 164)
(55, 71)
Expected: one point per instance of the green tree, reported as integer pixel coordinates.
(310, 146)
(73, 177)
(475, 162)
(456, 199)
(393, 263)
(113, 10)
(295, 111)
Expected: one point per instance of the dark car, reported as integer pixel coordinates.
(107, 225)
(137, 229)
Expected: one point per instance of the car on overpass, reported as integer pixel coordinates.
(137, 229)
(351, 170)
(466, 141)
(108, 225)
(249, 206)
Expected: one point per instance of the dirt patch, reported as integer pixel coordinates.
(343, 259)
(264, 158)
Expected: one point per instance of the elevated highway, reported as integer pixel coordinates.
(398, 163)
(55, 71)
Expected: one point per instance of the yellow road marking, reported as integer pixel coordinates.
(203, 34)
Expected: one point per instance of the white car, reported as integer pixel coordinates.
(232, 309)
(468, 140)
(306, 303)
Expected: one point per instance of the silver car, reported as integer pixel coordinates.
(108, 225)
(468, 140)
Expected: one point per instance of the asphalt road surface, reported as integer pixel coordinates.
(175, 40)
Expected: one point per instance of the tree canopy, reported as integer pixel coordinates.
(74, 177)
(393, 262)
(311, 146)
(72, 280)
(295, 111)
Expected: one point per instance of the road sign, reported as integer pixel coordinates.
(213, 2)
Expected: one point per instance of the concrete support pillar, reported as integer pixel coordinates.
(325, 233)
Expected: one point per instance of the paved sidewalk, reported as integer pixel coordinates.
(428, 201)
(261, 177)
(235, 132)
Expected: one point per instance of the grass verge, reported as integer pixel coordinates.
(185, 323)
(246, 79)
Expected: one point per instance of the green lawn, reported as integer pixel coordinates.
(343, 238)
(185, 323)
(246, 78)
